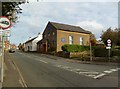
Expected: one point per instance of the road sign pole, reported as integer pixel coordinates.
(5, 23)
(109, 55)
(109, 47)
(2, 58)
(90, 52)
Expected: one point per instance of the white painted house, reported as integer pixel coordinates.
(31, 44)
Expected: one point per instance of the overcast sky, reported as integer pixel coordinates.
(91, 16)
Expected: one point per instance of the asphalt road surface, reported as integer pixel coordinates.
(38, 70)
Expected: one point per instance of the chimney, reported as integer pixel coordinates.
(29, 38)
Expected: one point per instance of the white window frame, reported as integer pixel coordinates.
(81, 40)
(70, 39)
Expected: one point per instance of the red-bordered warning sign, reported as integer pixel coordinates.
(5, 23)
(109, 41)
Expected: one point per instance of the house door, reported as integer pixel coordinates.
(28, 48)
(44, 48)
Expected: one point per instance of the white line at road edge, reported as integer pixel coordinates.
(21, 77)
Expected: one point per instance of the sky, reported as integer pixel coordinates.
(89, 15)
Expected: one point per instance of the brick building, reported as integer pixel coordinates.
(56, 34)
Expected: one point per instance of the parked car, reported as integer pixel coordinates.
(11, 50)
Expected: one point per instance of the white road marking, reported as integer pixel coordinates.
(118, 68)
(92, 74)
(21, 83)
(12, 65)
(88, 72)
(21, 77)
(36, 59)
(99, 76)
(113, 70)
(43, 61)
(107, 71)
(79, 71)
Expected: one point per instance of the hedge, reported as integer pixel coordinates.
(74, 48)
(97, 51)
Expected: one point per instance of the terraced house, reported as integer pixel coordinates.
(57, 34)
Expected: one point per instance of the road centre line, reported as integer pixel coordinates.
(41, 60)
(37, 59)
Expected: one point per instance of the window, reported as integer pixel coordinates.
(81, 40)
(63, 40)
(48, 34)
(70, 39)
(53, 33)
(44, 35)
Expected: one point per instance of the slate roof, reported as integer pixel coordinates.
(30, 40)
(71, 28)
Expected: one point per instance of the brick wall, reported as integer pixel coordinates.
(63, 38)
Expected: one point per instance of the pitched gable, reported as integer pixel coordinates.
(66, 27)
(30, 40)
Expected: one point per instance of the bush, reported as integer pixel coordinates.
(74, 48)
(116, 58)
(115, 52)
(100, 51)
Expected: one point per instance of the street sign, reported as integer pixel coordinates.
(7, 33)
(108, 41)
(4, 22)
(1, 32)
(108, 47)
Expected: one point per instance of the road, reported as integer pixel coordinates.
(38, 70)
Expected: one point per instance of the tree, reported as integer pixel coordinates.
(20, 46)
(92, 39)
(11, 9)
(110, 34)
(118, 37)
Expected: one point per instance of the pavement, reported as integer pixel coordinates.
(11, 76)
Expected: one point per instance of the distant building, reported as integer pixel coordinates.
(100, 42)
(31, 44)
(7, 45)
(56, 34)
